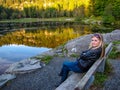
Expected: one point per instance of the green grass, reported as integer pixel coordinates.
(100, 78)
(46, 58)
(114, 54)
(22, 20)
(116, 42)
(74, 55)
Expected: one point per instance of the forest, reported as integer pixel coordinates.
(16, 9)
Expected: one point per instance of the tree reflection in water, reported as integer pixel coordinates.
(43, 38)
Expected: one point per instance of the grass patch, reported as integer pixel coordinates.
(116, 42)
(20, 20)
(100, 78)
(46, 58)
(26, 20)
(74, 55)
(114, 54)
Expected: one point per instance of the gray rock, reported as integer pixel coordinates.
(24, 66)
(49, 52)
(116, 31)
(77, 45)
(4, 78)
(113, 36)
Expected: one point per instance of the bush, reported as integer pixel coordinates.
(108, 19)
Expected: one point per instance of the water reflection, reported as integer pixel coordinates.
(43, 37)
(20, 44)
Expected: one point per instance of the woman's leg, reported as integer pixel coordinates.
(69, 66)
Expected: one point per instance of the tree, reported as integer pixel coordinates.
(97, 7)
(107, 16)
(116, 9)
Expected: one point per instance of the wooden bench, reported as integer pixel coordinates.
(78, 81)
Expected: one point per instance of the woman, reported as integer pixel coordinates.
(86, 59)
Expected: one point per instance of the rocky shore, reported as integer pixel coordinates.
(45, 77)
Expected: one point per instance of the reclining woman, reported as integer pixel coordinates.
(86, 59)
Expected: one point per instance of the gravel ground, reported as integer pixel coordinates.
(113, 83)
(47, 77)
(42, 79)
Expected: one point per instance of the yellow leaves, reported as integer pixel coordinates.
(40, 38)
(68, 5)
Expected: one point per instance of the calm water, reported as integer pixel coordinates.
(15, 52)
(21, 43)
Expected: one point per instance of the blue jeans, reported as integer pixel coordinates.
(69, 66)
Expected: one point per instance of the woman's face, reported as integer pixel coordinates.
(95, 42)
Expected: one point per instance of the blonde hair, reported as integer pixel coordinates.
(100, 37)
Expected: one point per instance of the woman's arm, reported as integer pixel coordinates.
(91, 54)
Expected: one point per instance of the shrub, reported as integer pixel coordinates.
(108, 19)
